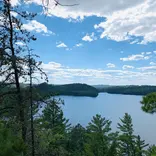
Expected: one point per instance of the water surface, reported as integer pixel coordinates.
(111, 106)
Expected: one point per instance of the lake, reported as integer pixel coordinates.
(112, 107)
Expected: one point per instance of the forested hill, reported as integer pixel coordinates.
(68, 89)
(129, 90)
(78, 89)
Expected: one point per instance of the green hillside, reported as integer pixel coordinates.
(68, 89)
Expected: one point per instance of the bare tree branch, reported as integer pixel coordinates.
(58, 3)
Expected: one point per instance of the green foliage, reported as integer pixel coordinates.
(54, 137)
(98, 136)
(151, 151)
(140, 146)
(129, 144)
(129, 90)
(127, 138)
(10, 144)
(149, 103)
(77, 139)
(69, 89)
(52, 144)
(54, 127)
(53, 117)
(113, 150)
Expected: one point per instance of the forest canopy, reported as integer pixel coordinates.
(68, 89)
(127, 89)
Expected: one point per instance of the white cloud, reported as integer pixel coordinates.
(136, 57)
(88, 7)
(51, 66)
(110, 65)
(138, 21)
(89, 38)
(14, 14)
(152, 63)
(134, 42)
(58, 73)
(124, 19)
(20, 43)
(61, 45)
(14, 2)
(79, 45)
(153, 68)
(148, 53)
(37, 27)
(127, 67)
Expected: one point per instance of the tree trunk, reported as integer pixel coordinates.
(16, 73)
(31, 107)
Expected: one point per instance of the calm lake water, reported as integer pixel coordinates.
(111, 106)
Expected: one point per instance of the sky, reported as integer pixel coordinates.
(111, 42)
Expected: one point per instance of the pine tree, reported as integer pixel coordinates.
(54, 127)
(151, 151)
(113, 150)
(98, 136)
(77, 140)
(127, 138)
(114, 145)
(10, 144)
(149, 103)
(12, 60)
(53, 117)
(17, 62)
(140, 146)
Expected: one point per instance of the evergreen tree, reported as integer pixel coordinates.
(151, 151)
(127, 138)
(149, 103)
(17, 65)
(113, 150)
(10, 144)
(77, 140)
(98, 136)
(33, 67)
(12, 60)
(140, 146)
(114, 145)
(53, 117)
(54, 127)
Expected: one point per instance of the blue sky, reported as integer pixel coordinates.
(102, 42)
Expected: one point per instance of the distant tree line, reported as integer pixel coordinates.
(129, 90)
(75, 89)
